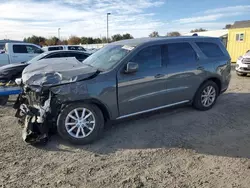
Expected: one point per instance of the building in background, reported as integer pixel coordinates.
(223, 34)
(238, 39)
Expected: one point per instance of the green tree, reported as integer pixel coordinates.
(84, 40)
(154, 34)
(104, 39)
(228, 26)
(127, 36)
(90, 40)
(35, 40)
(173, 34)
(97, 41)
(52, 41)
(198, 30)
(116, 37)
(64, 42)
(74, 40)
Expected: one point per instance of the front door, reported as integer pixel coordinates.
(23, 53)
(144, 89)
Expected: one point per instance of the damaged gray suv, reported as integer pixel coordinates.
(121, 80)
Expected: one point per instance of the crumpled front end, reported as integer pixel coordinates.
(33, 111)
(46, 86)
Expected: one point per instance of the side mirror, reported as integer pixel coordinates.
(131, 67)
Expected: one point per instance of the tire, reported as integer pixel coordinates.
(241, 74)
(197, 102)
(96, 132)
(4, 100)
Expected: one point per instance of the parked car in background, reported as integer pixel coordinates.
(243, 64)
(19, 52)
(121, 80)
(64, 47)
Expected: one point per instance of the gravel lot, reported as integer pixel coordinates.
(171, 148)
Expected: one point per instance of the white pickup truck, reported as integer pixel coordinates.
(18, 53)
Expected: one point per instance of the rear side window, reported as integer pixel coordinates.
(149, 57)
(179, 53)
(55, 48)
(210, 49)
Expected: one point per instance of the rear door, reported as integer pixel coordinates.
(183, 72)
(146, 88)
(23, 52)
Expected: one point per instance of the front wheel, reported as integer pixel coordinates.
(206, 96)
(80, 123)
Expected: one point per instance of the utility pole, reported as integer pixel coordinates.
(59, 33)
(108, 26)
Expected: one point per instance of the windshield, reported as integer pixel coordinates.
(35, 59)
(108, 56)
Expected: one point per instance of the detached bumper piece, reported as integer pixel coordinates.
(33, 121)
(33, 132)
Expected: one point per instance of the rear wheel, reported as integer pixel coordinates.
(241, 74)
(80, 123)
(206, 96)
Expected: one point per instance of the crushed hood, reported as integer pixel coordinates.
(51, 72)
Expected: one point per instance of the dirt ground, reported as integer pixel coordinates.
(171, 148)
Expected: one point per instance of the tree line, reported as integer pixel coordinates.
(74, 40)
(175, 33)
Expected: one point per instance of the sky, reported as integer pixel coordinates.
(23, 18)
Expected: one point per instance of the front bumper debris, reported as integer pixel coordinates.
(33, 120)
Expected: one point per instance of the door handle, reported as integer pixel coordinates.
(159, 75)
(14, 56)
(200, 68)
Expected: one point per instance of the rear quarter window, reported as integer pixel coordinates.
(210, 49)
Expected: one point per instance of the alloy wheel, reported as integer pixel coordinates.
(208, 96)
(80, 123)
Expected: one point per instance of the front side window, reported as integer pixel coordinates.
(148, 58)
(24, 49)
(108, 56)
(240, 37)
(180, 53)
(32, 49)
(20, 49)
(78, 56)
(210, 49)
